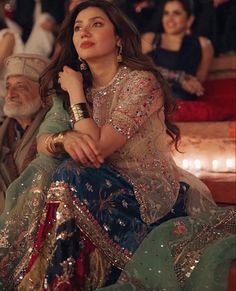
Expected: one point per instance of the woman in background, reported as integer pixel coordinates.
(180, 56)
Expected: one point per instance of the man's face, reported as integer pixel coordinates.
(22, 99)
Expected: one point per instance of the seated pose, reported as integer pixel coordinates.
(182, 58)
(24, 111)
(121, 181)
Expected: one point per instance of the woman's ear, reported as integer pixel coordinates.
(118, 41)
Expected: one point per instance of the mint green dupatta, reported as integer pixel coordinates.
(184, 254)
(25, 200)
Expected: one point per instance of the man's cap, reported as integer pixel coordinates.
(27, 65)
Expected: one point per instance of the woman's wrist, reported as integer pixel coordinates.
(76, 96)
(78, 112)
(55, 143)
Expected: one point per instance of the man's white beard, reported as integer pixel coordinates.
(27, 110)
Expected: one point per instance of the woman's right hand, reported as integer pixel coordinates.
(192, 85)
(82, 148)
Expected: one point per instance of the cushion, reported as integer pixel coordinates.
(217, 104)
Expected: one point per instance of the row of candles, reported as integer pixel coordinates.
(215, 165)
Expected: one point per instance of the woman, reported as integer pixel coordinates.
(182, 58)
(97, 213)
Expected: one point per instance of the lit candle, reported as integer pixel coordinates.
(215, 164)
(197, 164)
(230, 163)
(185, 164)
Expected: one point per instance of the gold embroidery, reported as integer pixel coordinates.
(99, 269)
(187, 252)
(133, 104)
(72, 207)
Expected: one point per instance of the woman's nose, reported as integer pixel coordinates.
(84, 31)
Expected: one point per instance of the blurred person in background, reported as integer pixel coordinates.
(10, 43)
(183, 58)
(138, 11)
(39, 22)
(24, 111)
(215, 19)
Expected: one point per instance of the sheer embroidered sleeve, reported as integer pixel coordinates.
(141, 96)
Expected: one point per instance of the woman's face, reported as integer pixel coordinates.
(94, 36)
(175, 19)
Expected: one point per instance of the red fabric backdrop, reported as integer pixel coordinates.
(217, 104)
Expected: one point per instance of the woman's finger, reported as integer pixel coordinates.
(90, 155)
(76, 153)
(93, 146)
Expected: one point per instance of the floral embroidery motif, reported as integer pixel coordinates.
(179, 228)
(187, 252)
(133, 105)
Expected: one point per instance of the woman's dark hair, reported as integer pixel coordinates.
(187, 5)
(131, 54)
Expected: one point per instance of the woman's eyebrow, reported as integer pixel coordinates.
(90, 19)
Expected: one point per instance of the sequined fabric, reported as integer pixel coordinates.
(188, 251)
(184, 254)
(88, 211)
(19, 226)
(25, 200)
(133, 104)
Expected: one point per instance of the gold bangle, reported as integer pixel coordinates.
(78, 112)
(48, 143)
(55, 143)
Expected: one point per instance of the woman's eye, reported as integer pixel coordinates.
(177, 13)
(77, 28)
(97, 24)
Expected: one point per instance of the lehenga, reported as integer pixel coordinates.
(25, 200)
(94, 220)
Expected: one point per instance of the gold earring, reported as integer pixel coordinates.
(83, 66)
(119, 56)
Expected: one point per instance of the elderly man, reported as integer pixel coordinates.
(25, 111)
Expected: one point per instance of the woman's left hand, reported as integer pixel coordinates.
(82, 148)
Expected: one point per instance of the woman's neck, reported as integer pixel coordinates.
(175, 37)
(102, 74)
(172, 41)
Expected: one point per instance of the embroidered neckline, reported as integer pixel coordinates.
(104, 90)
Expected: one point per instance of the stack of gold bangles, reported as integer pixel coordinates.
(78, 112)
(55, 143)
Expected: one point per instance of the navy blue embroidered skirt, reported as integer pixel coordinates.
(92, 211)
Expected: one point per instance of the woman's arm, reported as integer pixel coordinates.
(172, 75)
(139, 99)
(188, 82)
(6, 47)
(79, 146)
(206, 60)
